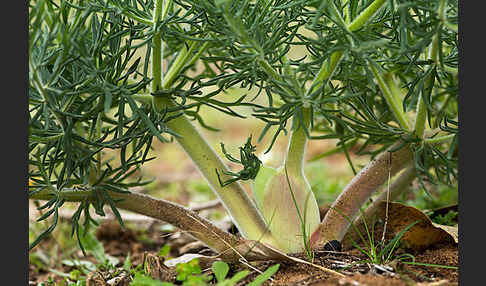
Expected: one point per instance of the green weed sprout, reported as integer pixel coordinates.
(189, 274)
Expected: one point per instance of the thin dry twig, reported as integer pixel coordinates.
(327, 270)
(387, 200)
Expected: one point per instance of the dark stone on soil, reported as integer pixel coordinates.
(333, 245)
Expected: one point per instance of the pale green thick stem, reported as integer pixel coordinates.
(179, 63)
(347, 13)
(302, 195)
(196, 56)
(160, 12)
(367, 14)
(443, 19)
(298, 140)
(453, 71)
(397, 95)
(137, 18)
(276, 210)
(294, 160)
(390, 98)
(394, 99)
(287, 202)
(441, 12)
(440, 139)
(421, 117)
(245, 215)
(327, 69)
(157, 49)
(303, 198)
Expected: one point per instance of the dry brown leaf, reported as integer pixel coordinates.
(422, 235)
(452, 230)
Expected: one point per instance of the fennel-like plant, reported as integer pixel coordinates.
(117, 74)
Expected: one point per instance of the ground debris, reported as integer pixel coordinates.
(95, 279)
(120, 277)
(155, 267)
(350, 263)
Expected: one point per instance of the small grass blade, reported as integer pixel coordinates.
(431, 265)
(388, 249)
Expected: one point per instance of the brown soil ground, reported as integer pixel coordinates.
(118, 243)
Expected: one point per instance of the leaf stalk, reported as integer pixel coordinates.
(346, 207)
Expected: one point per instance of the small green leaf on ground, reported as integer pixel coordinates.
(238, 276)
(164, 251)
(220, 270)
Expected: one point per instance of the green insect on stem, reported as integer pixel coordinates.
(251, 164)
